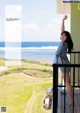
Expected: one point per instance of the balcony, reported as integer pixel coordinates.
(59, 92)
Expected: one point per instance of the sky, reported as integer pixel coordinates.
(40, 21)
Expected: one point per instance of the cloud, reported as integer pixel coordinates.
(52, 28)
(31, 26)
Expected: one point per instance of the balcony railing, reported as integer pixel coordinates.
(59, 92)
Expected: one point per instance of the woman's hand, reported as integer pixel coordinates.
(65, 17)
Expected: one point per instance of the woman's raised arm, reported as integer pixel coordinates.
(62, 25)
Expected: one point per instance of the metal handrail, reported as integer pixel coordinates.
(66, 65)
(55, 78)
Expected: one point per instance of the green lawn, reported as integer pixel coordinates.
(24, 94)
(16, 90)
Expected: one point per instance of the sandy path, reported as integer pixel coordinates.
(29, 106)
(30, 103)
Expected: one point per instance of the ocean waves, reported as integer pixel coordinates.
(28, 48)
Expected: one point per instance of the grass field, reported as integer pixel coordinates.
(22, 89)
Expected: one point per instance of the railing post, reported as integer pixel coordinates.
(55, 87)
(73, 86)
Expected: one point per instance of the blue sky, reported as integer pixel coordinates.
(40, 21)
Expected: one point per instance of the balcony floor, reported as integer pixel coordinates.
(69, 109)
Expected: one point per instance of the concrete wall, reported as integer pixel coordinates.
(75, 25)
(75, 32)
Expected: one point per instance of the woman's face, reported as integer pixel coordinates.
(63, 37)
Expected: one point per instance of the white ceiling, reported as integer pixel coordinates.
(63, 8)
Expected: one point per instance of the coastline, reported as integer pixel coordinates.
(30, 67)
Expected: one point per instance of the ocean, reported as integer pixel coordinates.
(38, 51)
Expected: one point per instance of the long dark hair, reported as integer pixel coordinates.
(68, 40)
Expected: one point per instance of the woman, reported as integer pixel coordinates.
(65, 46)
